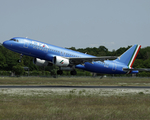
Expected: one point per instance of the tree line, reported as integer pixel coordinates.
(9, 59)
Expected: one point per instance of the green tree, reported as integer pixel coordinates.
(146, 63)
(72, 48)
(121, 50)
(11, 59)
(2, 61)
(18, 70)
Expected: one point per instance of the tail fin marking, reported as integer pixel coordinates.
(129, 56)
(134, 56)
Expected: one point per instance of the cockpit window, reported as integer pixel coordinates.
(14, 40)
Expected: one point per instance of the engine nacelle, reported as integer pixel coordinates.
(60, 61)
(40, 62)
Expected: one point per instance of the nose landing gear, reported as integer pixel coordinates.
(21, 55)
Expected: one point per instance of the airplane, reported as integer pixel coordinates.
(46, 55)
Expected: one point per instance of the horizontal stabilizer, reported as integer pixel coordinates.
(139, 69)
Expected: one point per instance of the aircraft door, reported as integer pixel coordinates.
(114, 67)
(25, 44)
(45, 50)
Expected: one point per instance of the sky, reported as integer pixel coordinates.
(77, 23)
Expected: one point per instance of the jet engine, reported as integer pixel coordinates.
(40, 62)
(60, 61)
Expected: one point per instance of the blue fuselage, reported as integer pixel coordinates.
(47, 52)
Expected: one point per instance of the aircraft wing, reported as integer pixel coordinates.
(81, 60)
(139, 69)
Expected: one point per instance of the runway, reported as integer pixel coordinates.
(76, 87)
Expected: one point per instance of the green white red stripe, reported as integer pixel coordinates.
(134, 56)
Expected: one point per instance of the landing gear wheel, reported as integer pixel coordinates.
(73, 72)
(19, 61)
(59, 72)
(21, 55)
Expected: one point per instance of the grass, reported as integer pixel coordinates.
(80, 81)
(74, 105)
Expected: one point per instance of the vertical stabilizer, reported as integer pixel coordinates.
(129, 56)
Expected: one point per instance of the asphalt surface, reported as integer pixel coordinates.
(76, 87)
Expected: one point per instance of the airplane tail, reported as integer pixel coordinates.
(129, 56)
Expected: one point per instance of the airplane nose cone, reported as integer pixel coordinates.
(5, 43)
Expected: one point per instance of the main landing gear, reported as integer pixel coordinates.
(73, 72)
(59, 72)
